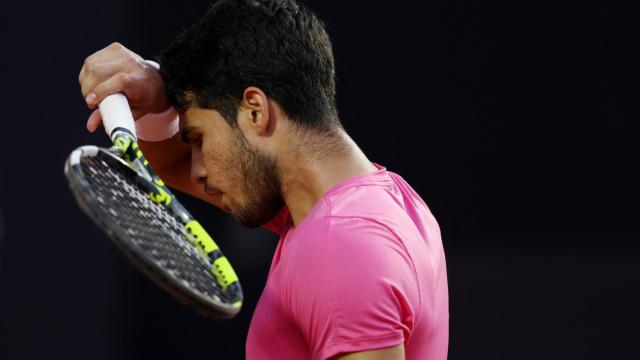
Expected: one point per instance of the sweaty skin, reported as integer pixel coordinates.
(264, 159)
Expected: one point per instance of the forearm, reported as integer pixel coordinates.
(166, 156)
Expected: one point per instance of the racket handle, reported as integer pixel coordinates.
(116, 113)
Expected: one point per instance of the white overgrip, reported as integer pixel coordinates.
(115, 113)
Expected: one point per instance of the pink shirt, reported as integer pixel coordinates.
(364, 270)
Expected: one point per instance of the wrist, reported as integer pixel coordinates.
(156, 127)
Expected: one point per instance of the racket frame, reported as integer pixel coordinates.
(125, 147)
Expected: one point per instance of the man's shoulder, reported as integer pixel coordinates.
(371, 200)
(374, 213)
(336, 239)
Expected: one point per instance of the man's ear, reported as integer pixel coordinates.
(254, 115)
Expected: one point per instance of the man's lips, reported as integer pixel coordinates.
(219, 201)
(211, 191)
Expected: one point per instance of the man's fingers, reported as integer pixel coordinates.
(95, 120)
(103, 65)
(95, 74)
(87, 72)
(117, 83)
(116, 69)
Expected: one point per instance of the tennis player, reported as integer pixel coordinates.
(359, 271)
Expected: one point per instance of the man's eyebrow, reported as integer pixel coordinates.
(184, 134)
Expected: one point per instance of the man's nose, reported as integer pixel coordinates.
(198, 171)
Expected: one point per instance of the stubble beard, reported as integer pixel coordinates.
(260, 184)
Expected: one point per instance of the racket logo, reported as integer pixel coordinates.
(122, 144)
(161, 197)
(221, 268)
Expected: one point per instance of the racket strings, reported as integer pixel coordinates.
(150, 226)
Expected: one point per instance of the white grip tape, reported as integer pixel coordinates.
(116, 113)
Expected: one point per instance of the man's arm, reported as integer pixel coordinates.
(392, 353)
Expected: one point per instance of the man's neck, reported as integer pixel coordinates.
(306, 174)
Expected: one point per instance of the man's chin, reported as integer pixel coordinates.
(249, 222)
(255, 219)
(245, 218)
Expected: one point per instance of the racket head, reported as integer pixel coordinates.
(116, 198)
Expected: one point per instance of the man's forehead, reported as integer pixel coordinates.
(188, 122)
(187, 117)
(200, 118)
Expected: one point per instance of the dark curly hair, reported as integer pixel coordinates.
(277, 45)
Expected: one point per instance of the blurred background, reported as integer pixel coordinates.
(515, 121)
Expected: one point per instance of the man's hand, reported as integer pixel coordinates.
(117, 69)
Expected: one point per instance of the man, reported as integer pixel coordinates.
(359, 271)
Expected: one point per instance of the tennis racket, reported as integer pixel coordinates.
(119, 191)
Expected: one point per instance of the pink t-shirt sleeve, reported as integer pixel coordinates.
(358, 293)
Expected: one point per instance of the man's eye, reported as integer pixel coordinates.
(196, 140)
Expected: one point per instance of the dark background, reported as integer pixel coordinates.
(515, 121)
